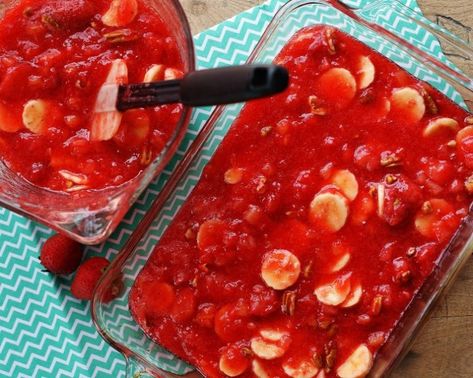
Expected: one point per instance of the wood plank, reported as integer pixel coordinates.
(203, 14)
(444, 347)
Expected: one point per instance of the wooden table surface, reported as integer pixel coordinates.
(445, 346)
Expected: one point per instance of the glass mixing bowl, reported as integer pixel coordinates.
(90, 216)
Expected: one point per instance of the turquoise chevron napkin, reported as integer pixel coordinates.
(44, 331)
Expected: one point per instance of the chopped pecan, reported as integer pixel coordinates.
(330, 355)
(316, 106)
(405, 277)
(332, 330)
(367, 95)
(28, 11)
(288, 304)
(411, 252)
(50, 22)
(324, 323)
(330, 41)
(376, 304)
(427, 208)
(430, 103)
(266, 130)
(390, 179)
(306, 272)
(317, 360)
(246, 352)
(193, 282)
(469, 184)
(146, 156)
(121, 36)
(190, 234)
(261, 186)
(389, 160)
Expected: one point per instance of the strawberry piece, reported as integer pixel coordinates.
(9, 121)
(184, 306)
(61, 255)
(9, 88)
(87, 277)
(402, 198)
(134, 129)
(66, 14)
(159, 298)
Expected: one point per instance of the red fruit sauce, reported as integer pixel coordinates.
(59, 52)
(319, 217)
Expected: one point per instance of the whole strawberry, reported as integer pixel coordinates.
(61, 255)
(87, 277)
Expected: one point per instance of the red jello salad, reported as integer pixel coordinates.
(319, 217)
(55, 55)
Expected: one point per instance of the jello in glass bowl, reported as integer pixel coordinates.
(62, 164)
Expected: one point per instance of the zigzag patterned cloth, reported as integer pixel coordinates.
(44, 331)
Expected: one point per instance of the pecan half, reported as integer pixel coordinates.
(121, 36)
(430, 103)
(288, 304)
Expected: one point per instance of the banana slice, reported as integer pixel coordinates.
(270, 344)
(300, 369)
(321, 374)
(441, 125)
(232, 363)
(354, 297)
(341, 262)
(464, 133)
(258, 369)
(346, 182)
(408, 104)
(273, 335)
(9, 122)
(358, 365)
(337, 86)
(366, 72)
(120, 13)
(35, 116)
(233, 176)
(334, 293)
(210, 233)
(280, 269)
(173, 74)
(154, 73)
(106, 124)
(430, 215)
(76, 178)
(329, 211)
(266, 349)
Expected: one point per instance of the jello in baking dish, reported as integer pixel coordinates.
(317, 220)
(54, 57)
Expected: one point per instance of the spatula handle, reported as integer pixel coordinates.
(232, 84)
(215, 86)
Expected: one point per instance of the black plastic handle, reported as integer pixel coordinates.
(216, 86)
(232, 84)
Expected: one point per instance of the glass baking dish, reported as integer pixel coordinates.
(113, 319)
(90, 216)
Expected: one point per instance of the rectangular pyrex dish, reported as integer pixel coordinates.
(370, 26)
